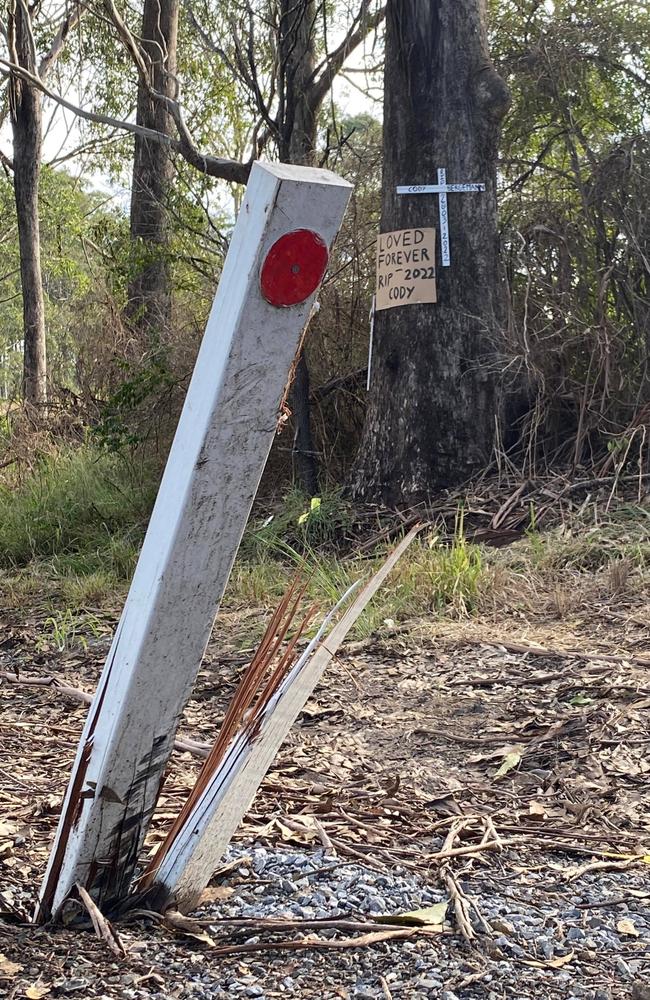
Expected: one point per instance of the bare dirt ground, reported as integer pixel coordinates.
(501, 762)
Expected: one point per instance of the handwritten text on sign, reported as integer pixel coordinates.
(406, 268)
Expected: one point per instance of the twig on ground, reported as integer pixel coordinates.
(191, 925)
(103, 929)
(470, 849)
(571, 874)
(612, 901)
(183, 744)
(385, 989)
(363, 941)
(460, 902)
(568, 654)
(491, 831)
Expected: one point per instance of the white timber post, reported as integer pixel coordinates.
(273, 270)
(201, 842)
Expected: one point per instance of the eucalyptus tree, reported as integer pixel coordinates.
(433, 402)
(279, 53)
(26, 114)
(153, 172)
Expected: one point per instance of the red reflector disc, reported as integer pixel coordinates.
(294, 267)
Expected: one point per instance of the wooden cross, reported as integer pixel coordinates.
(441, 189)
(272, 273)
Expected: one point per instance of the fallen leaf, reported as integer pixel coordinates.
(9, 968)
(625, 926)
(551, 963)
(510, 761)
(537, 810)
(302, 836)
(216, 893)
(188, 927)
(36, 992)
(581, 699)
(430, 916)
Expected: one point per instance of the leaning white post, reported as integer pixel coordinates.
(274, 267)
(200, 843)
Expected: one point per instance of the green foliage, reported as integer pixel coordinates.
(115, 428)
(300, 524)
(73, 223)
(575, 190)
(82, 508)
(67, 630)
(433, 578)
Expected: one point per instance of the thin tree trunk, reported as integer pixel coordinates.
(150, 293)
(433, 403)
(26, 123)
(297, 145)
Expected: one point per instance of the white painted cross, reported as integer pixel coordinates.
(442, 189)
(273, 270)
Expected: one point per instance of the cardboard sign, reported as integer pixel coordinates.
(406, 268)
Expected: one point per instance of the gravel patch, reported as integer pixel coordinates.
(547, 922)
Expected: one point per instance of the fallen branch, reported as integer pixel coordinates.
(571, 874)
(318, 944)
(568, 654)
(470, 849)
(103, 929)
(373, 932)
(178, 921)
(457, 897)
(182, 744)
(460, 903)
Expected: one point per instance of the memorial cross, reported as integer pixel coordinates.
(442, 189)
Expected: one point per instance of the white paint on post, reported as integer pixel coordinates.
(221, 445)
(442, 189)
(189, 864)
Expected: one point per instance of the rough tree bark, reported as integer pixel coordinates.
(26, 111)
(149, 307)
(297, 144)
(433, 403)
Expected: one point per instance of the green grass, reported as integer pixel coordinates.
(83, 509)
(431, 578)
(591, 545)
(71, 528)
(300, 523)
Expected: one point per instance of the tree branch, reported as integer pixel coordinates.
(362, 25)
(58, 42)
(213, 166)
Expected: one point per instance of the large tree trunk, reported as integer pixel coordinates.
(297, 145)
(432, 408)
(149, 292)
(26, 123)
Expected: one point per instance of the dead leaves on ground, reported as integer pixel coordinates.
(549, 963)
(9, 970)
(430, 916)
